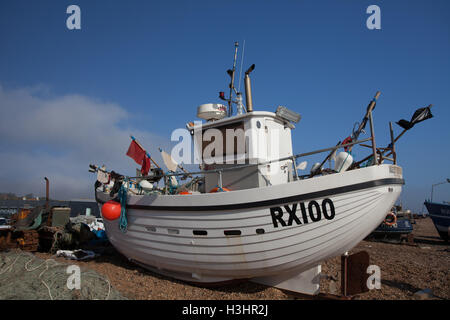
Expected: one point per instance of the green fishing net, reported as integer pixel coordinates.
(23, 276)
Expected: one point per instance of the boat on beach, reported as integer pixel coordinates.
(214, 237)
(396, 227)
(248, 213)
(440, 214)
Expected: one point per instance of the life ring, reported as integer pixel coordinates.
(217, 189)
(390, 223)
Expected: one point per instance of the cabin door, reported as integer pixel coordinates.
(276, 172)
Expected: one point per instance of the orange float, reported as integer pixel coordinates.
(111, 210)
(185, 192)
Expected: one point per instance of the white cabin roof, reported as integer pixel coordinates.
(241, 117)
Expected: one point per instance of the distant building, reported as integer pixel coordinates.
(77, 206)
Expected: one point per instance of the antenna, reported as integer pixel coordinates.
(242, 61)
(231, 73)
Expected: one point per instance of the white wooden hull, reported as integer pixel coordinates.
(160, 227)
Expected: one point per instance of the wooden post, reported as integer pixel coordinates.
(354, 273)
(344, 273)
(370, 107)
(372, 134)
(394, 155)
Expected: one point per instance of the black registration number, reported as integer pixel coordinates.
(302, 213)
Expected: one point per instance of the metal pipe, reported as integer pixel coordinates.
(248, 94)
(47, 192)
(295, 168)
(220, 180)
(248, 89)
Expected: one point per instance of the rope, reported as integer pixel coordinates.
(101, 278)
(46, 262)
(55, 241)
(123, 221)
(10, 266)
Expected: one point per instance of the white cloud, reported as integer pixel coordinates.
(58, 137)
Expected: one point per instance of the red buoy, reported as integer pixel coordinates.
(111, 210)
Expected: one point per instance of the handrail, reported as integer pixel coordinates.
(257, 164)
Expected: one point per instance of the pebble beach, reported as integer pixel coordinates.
(406, 270)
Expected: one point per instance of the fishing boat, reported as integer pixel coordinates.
(440, 214)
(395, 227)
(248, 212)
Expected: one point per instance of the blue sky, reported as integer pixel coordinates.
(71, 97)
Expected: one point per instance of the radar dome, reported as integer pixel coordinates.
(211, 111)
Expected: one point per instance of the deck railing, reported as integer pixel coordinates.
(378, 155)
(220, 171)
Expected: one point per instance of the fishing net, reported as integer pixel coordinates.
(23, 276)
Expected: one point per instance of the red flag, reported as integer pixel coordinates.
(145, 166)
(136, 153)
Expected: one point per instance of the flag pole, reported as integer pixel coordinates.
(148, 155)
(369, 110)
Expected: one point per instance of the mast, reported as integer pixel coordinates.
(231, 73)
